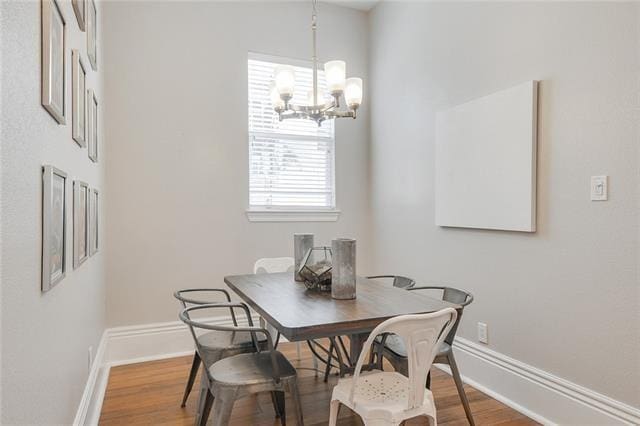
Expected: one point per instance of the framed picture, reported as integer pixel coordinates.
(54, 215)
(93, 222)
(80, 9)
(92, 128)
(54, 44)
(80, 223)
(78, 98)
(92, 33)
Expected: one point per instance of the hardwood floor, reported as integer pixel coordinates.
(150, 393)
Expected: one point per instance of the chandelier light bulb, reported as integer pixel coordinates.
(335, 73)
(285, 81)
(353, 92)
(276, 100)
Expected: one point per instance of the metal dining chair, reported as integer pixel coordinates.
(389, 398)
(398, 280)
(214, 346)
(337, 344)
(237, 376)
(394, 350)
(274, 265)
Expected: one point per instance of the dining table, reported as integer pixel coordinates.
(301, 314)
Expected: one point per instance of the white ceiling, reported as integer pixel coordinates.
(365, 5)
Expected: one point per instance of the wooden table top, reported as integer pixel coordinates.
(301, 314)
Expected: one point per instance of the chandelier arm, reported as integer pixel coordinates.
(341, 114)
(330, 107)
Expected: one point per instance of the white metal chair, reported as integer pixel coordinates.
(389, 398)
(395, 353)
(270, 266)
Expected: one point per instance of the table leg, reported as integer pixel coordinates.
(347, 363)
(356, 341)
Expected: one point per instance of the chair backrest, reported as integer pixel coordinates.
(201, 296)
(422, 335)
(451, 295)
(185, 316)
(398, 280)
(271, 265)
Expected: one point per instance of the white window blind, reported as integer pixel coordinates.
(291, 163)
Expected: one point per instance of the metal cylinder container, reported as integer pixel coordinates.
(302, 243)
(343, 279)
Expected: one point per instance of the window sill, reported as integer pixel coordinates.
(275, 215)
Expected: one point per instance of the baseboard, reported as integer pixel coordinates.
(129, 345)
(93, 394)
(537, 394)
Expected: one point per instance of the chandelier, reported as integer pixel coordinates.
(283, 87)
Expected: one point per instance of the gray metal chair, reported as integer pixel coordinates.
(245, 374)
(214, 346)
(394, 351)
(398, 280)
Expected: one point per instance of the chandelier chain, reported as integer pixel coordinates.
(314, 24)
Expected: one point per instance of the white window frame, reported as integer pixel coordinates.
(290, 213)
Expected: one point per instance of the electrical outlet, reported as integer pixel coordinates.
(483, 333)
(90, 357)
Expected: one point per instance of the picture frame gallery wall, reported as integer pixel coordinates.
(61, 26)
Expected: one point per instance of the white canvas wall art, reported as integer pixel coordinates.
(486, 162)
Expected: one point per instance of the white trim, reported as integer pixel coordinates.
(535, 393)
(130, 345)
(275, 215)
(94, 389)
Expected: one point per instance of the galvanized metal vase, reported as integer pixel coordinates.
(343, 280)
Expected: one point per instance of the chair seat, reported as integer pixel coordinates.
(219, 344)
(395, 344)
(249, 369)
(381, 395)
(227, 339)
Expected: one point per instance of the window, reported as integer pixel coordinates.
(291, 163)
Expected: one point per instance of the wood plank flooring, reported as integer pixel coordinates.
(150, 393)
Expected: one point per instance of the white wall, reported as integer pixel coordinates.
(565, 299)
(176, 128)
(45, 337)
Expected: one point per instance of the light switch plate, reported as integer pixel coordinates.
(599, 188)
(483, 333)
